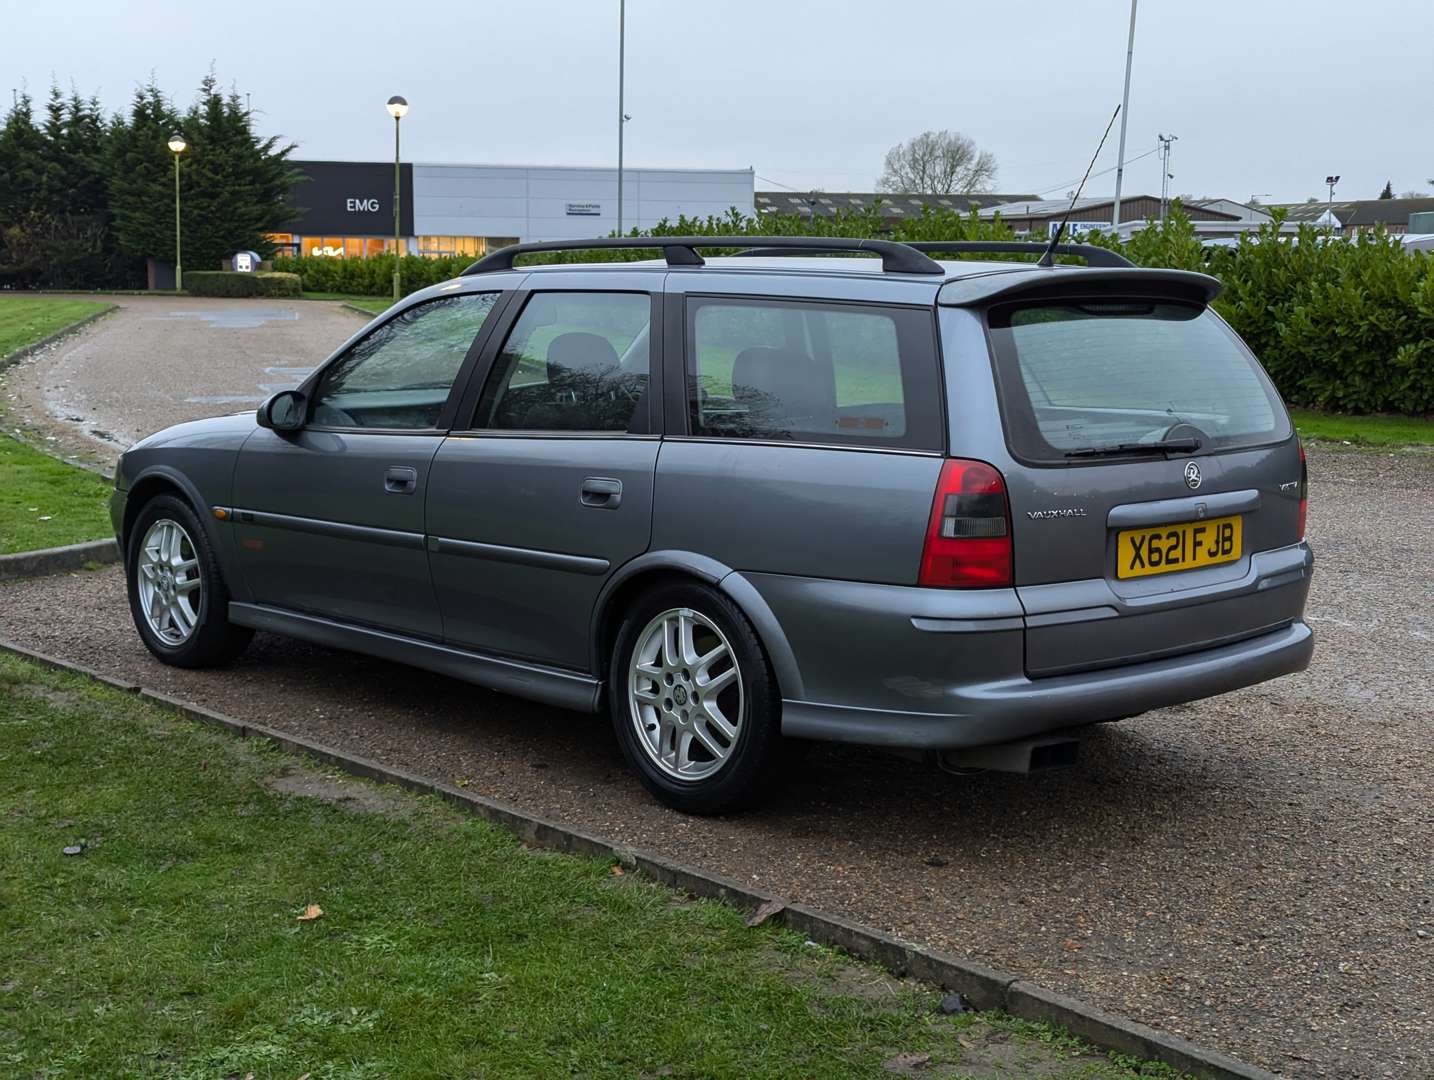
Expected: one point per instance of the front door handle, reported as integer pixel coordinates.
(400, 480)
(601, 493)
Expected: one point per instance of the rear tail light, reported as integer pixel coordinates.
(1304, 490)
(968, 541)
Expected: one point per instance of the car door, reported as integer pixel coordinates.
(549, 489)
(329, 518)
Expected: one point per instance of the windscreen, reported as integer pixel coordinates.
(1084, 376)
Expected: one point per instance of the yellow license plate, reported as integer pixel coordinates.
(1185, 546)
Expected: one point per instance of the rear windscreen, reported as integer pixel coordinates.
(1077, 376)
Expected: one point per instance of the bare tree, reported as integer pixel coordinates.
(939, 162)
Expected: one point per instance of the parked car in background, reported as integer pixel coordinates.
(956, 508)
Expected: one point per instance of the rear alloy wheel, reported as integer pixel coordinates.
(693, 700)
(177, 595)
(685, 694)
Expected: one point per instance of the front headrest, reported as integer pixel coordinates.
(579, 352)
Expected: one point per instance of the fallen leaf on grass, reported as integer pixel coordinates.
(312, 912)
(765, 912)
(617, 871)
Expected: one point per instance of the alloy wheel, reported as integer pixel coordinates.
(169, 582)
(684, 692)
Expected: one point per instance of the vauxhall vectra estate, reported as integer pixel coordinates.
(957, 508)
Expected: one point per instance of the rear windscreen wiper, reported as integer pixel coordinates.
(1161, 446)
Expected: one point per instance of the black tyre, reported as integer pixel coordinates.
(693, 700)
(177, 595)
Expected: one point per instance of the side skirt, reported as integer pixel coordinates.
(551, 686)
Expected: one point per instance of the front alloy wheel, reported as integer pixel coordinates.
(169, 582)
(177, 594)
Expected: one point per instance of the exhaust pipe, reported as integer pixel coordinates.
(1021, 756)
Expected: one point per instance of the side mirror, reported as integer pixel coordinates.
(284, 411)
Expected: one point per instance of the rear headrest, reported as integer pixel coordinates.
(783, 382)
(580, 352)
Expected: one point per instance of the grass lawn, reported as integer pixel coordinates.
(25, 320)
(171, 944)
(46, 502)
(1364, 430)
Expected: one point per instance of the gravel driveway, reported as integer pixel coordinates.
(1253, 872)
(162, 359)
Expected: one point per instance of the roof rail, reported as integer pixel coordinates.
(1093, 255)
(896, 258)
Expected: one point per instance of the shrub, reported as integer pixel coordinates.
(372, 276)
(233, 283)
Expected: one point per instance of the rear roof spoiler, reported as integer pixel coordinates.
(1039, 283)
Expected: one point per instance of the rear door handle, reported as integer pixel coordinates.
(602, 493)
(400, 480)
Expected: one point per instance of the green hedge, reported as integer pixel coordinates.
(1340, 324)
(372, 276)
(233, 283)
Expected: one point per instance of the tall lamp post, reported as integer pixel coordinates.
(622, 116)
(397, 108)
(1124, 115)
(177, 145)
(1329, 206)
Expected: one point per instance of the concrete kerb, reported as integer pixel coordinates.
(983, 987)
(57, 560)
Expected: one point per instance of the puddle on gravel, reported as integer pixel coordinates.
(230, 318)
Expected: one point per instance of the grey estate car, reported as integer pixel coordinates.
(955, 509)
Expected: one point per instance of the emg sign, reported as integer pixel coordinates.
(350, 198)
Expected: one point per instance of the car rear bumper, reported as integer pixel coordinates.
(899, 666)
(1013, 708)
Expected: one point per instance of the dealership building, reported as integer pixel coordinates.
(471, 209)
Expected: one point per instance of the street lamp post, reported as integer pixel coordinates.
(397, 108)
(621, 115)
(1124, 114)
(1329, 206)
(177, 146)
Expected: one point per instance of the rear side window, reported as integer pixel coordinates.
(1079, 376)
(575, 361)
(812, 372)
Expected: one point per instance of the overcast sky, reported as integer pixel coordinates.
(1266, 98)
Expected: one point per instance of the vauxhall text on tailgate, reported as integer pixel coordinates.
(955, 509)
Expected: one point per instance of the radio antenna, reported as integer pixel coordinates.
(1049, 256)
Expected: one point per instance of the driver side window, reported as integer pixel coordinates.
(399, 377)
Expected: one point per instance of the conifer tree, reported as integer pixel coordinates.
(141, 176)
(22, 154)
(238, 184)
